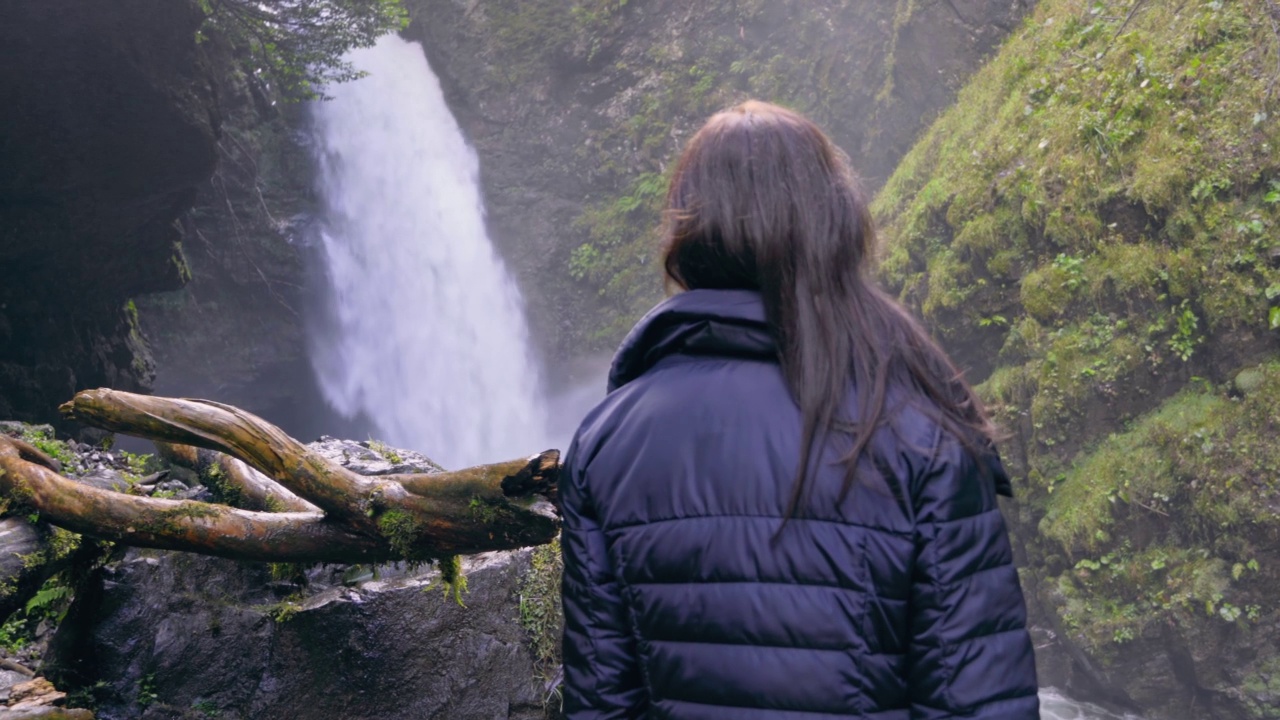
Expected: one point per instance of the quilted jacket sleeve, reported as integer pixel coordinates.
(970, 654)
(601, 671)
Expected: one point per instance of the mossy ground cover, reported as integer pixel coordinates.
(1175, 520)
(1091, 229)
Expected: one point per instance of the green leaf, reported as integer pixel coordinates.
(1274, 318)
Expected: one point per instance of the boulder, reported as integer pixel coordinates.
(162, 634)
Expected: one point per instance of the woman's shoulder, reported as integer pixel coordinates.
(691, 393)
(946, 466)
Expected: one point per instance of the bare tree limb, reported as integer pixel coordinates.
(234, 482)
(335, 515)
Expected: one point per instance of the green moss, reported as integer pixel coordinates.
(488, 511)
(215, 478)
(1262, 686)
(171, 521)
(1048, 291)
(401, 531)
(541, 612)
(285, 610)
(1108, 188)
(455, 583)
(42, 438)
(62, 543)
(289, 572)
(1202, 475)
(385, 451)
(1051, 150)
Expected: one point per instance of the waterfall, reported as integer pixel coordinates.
(422, 331)
(1054, 706)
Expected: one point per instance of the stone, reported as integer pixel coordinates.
(221, 635)
(373, 458)
(116, 125)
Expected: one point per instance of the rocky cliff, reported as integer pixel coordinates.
(1091, 230)
(109, 122)
(138, 157)
(235, 331)
(575, 109)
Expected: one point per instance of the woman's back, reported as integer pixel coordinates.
(780, 510)
(685, 471)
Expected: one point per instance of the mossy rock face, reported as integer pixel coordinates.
(1091, 231)
(577, 110)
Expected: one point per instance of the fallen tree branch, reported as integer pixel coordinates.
(232, 481)
(334, 514)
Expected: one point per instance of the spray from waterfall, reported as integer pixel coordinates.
(423, 331)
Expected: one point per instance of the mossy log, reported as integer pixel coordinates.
(327, 513)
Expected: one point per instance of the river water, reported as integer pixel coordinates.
(423, 331)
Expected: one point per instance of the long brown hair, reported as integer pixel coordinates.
(762, 200)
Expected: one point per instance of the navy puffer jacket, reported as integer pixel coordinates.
(899, 602)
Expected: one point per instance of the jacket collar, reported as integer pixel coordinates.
(729, 323)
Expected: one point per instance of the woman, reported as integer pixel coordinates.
(786, 505)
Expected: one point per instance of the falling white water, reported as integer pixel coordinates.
(425, 334)
(1053, 706)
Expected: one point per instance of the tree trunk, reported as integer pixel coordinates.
(295, 505)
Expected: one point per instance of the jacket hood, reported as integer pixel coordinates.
(695, 322)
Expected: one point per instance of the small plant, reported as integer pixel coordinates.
(147, 691)
(208, 708)
(1073, 267)
(44, 441)
(51, 601)
(138, 464)
(541, 612)
(386, 451)
(455, 583)
(1184, 340)
(283, 611)
(13, 634)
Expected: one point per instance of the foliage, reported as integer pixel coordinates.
(51, 601)
(541, 612)
(283, 611)
(299, 45)
(147, 694)
(452, 578)
(42, 438)
(401, 530)
(13, 634)
(387, 452)
(207, 708)
(1108, 185)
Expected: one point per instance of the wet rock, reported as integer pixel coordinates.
(33, 693)
(183, 631)
(373, 458)
(9, 678)
(46, 713)
(110, 124)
